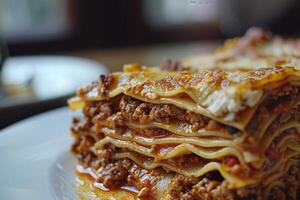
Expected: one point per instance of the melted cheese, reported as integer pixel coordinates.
(246, 53)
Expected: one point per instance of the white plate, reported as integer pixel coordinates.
(35, 161)
(48, 77)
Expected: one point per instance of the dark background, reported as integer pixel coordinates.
(95, 24)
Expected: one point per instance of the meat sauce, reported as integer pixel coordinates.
(87, 188)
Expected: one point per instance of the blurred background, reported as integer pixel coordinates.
(43, 26)
(113, 33)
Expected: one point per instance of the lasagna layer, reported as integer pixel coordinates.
(115, 167)
(192, 135)
(229, 97)
(254, 50)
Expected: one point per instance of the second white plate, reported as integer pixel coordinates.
(35, 159)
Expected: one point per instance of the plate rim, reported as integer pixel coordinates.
(94, 62)
(45, 164)
(7, 129)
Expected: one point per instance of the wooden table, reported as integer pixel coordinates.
(149, 55)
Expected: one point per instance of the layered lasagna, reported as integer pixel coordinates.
(175, 133)
(256, 49)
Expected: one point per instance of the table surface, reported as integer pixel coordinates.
(147, 55)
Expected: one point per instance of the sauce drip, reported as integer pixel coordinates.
(87, 188)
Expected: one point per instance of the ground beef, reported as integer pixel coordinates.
(142, 112)
(144, 180)
(284, 101)
(180, 187)
(137, 111)
(81, 124)
(115, 174)
(209, 189)
(277, 193)
(82, 149)
(83, 144)
(121, 109)
(167, 113)
(292, 182)
(98, 110)
(101, 86)
(108, 151)
(186, 161)
(184, 188)
(152, 132)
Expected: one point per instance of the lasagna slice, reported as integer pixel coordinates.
(255, 49)
(209, 134)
